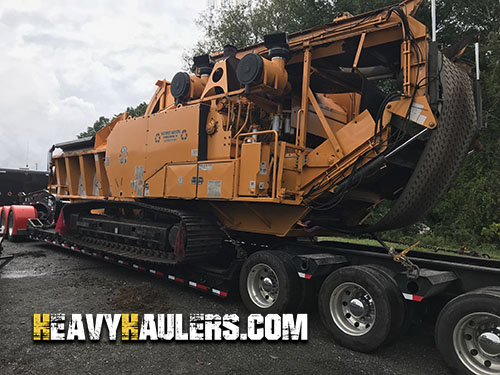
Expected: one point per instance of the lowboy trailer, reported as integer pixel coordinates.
(234, 171)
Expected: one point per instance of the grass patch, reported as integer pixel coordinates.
(491, 250)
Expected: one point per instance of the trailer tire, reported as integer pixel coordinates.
(10, 228)
(365, 321)
(468, 334)
(399, 311)
(269, 283)
(3, 226)
(307, 298)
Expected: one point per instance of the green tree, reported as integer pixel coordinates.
(474, 201)
(247, 23)
(138, 111)
(92, 130)
(103, 121)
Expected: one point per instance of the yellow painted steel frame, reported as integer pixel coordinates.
(204, 146)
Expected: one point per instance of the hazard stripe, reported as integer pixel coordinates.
(412, 297)
(196, 285)
(219, 292)
(138, 267)
(157, 273)
(304, 275)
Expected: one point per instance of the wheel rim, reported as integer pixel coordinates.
(262, 285)
(476, 339)
(352, 309)
(2, 224)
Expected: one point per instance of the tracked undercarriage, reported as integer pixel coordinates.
(144, 231)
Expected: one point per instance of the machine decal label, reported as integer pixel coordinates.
(194, 152)
(205, 167)
(139, 172)
(214, 188)
(137, 183)
(180, 180)
(123, 157)
(263, 169)
(416, 113)
(184, 134)
(171, 135)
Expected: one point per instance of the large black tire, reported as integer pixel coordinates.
(376, 323)
(2, 224)
(10, 224)
(461, 327)
(443, 153)
(398, 303)
(307, 299)
(284, 292)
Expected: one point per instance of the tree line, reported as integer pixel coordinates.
(470, 213)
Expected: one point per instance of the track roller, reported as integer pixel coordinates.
(356, 305)
(269, 283)
(468, 332)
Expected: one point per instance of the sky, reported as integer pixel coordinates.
(65, 63)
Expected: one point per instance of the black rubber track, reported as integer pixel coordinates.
(203, 237)
(443, 153)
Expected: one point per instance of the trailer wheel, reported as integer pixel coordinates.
(399, 313)
(2, 222)
(468, 332)
(355, 306)
(10, 228)
(268, 283)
